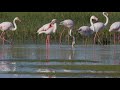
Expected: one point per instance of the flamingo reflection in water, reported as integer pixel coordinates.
(48, 29)
(5, 64)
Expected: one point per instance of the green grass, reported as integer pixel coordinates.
(32, 21)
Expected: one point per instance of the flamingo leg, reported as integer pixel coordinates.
(95, 37)
(61, 37)
(68, 37)
(5, 39)
(1, 35)
(114, 38)
(47, 46)
(49, 41)
(118, 38)
(99, 39)
(86, 42)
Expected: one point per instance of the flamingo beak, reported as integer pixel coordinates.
(19, 20)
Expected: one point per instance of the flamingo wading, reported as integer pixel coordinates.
(115, 27)
(4, 26)
(86, 30)
(48, 29)
(69, 24)
(99, 26)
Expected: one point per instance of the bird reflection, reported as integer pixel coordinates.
(5, 64)
(71, 54)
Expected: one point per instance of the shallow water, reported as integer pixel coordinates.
(33, 61)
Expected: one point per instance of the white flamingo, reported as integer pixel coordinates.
(5, 26)
(99, 26)
(115, 27)
(69, 24)
(86, 30)
(48, 29)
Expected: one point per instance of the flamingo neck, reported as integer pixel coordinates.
(70, 32)
(91, 22)
(73, 42)
(15, 26)
(107, 19)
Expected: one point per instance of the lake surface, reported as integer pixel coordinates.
(34, 61)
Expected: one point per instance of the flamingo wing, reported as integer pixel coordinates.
(98, 26)
(6, 26)
(85, 30)
(115, 26)
(47, 28)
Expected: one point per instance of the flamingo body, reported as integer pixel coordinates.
(47, 29)
(6, 26)
(115, 27)
(99, 26)
(67, 23)
(85, 31)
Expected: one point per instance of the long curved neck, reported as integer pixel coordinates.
(107, 19)
(15, 26)
(91, 22)
(73, 42)
(70, 32)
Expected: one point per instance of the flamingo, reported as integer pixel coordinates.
(115, 27)
(4, 26)
(69, 24)
(99, 26)
(86, 30)
(48, 29)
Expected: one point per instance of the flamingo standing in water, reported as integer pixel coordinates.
(69, 24)
(115, 27)
(86, 30)
(99, 26)
(48, 29)
(4, 26)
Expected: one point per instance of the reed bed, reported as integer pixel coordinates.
(32, 21)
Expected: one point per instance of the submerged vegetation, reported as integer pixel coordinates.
(32, 21)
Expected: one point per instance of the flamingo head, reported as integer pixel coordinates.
(105, 13)
(53, 21)
(17, 19)
(79, 30)
(94, 18)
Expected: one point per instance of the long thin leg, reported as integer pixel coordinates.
(3, 39)
(86, 42)
(61, 37)
(68, 37)
(48, 41)
(119, 38)
(2, 36)
(47, 46)
(114, 38)
(95, 37)
(99, 38)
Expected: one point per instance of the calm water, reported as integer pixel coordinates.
(33, 61)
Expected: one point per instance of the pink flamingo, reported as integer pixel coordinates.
(99, 26)
(48, 29)
(115, 27)
(4, 26)
(69, 24)
(86, 30)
